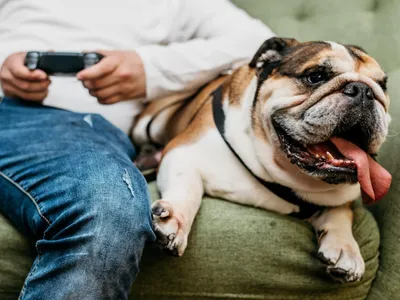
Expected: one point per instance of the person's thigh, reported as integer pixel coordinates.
(68, 180)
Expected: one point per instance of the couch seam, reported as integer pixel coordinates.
(26, 194)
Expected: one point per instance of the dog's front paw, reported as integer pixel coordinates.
(342, 257)
(168, 228)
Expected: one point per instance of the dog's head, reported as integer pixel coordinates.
(322, 105)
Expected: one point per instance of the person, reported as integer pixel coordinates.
(67, 179)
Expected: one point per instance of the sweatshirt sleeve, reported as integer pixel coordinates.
(217, 36)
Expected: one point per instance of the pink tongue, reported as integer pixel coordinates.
(373, 178)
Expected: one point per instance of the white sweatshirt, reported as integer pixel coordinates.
(183, 43)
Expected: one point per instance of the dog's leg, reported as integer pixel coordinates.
(181, 189)
(337, 246)
(248, 191)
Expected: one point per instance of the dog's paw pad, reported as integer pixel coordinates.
(168, 229)
(343, 259)
(343, 275)
(172, 236)
(324, 259)
(161, 209)
(337, 272)
(172, 252)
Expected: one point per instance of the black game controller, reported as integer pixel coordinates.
(61, 63)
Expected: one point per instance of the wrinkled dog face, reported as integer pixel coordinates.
(310, 92)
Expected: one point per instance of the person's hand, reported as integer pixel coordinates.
(19, 82)
(117, 77)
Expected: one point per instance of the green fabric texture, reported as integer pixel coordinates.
(16, 259)
(238, 252)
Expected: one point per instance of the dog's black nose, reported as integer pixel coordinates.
(358, 90)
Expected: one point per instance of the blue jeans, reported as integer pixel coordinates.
(68, 182)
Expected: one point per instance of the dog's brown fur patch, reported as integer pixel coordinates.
(301, 57)
(184, 117)
(193, 120)
(238, 82)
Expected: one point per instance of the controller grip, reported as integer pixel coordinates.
(91, 58)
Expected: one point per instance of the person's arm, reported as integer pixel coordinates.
(223, 37)
(207, 37)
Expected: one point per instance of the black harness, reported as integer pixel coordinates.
(307, 209)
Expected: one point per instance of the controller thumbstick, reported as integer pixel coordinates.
(31, 60)
(91, 59)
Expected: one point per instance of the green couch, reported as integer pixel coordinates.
(237, 252)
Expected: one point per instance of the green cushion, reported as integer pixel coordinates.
(238, 252)
(16, 258)
(234, 252)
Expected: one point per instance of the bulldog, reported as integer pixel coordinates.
(295, 132)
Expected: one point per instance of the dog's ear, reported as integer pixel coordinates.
(357, 47)
(271, 51)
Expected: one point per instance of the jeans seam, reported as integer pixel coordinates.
(28, 195)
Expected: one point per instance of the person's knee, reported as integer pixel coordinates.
(122, 224)
(119, 238)
(98, 238)
(120, 204)
(108, 213)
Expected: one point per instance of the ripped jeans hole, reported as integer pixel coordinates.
(127, 179)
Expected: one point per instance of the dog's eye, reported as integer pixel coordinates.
(383, 84)
(316, 77)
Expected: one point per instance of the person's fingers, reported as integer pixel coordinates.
(102, 52)
(100, 83)
(111, 100)
(106, 52)
(22, 72)
(10, 91)
(24, 85)
(5, 75)
(106, 92)
(106, 66)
